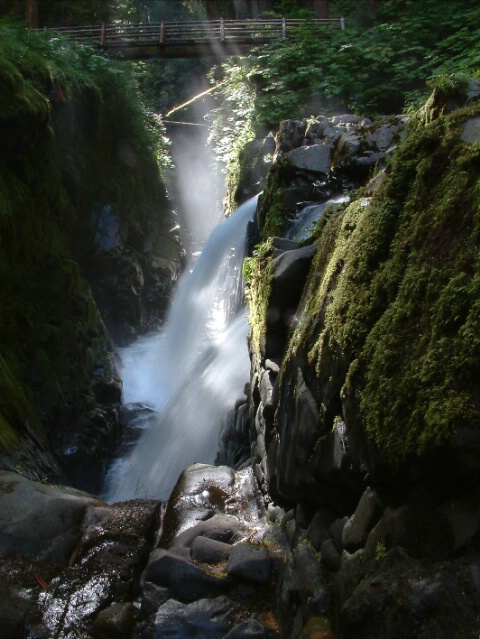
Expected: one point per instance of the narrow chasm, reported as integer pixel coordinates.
(239, 352)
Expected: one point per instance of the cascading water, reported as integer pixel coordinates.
(191, 373)
(306, 219)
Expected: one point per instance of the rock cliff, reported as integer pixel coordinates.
(87, 255)
(364, 400)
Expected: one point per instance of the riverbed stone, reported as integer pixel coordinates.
(210, 551)
(186, 580)
(355, 532)
(250, 629)
(317, 531)
(202, 619)
(115, 622)
(40, 520)
(218, 527)
(250, 562)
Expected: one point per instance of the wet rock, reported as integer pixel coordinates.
(209, 551)
(249, 562)
(105, 567)
(186, 580)
(301, 591)
(316, 158)
(330, 555)
(153, 597)
(399, 596)
(214, 502)
(115, 622)
(13, 610)
(249, 629)
(40, 520)
(202, 619)
(224, 528)
(318, 530)
(356, 529)
(108, 391)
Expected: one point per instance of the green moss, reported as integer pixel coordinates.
(64, 154)
(259, 272)
(318, 627)
(394, 294)
(271, 210)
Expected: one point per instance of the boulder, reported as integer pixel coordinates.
(249, 562)
(209, 551)
(336, 532)
(316, 158)
(318, 530)
(250, 629)
(185, 580)
(471, 131)
(115, 622)
(366, 514)
(38, 520)
(202, 619)
(330, 555)
(223, 528)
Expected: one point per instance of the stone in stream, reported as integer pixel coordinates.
(202, 619)
(210, 551)
(185, 580)
(250, 562)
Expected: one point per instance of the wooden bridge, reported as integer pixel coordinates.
(191, 39)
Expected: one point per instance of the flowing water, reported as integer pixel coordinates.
(192, 372)
(306, 219)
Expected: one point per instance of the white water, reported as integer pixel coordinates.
(306, 219)
(192, 372)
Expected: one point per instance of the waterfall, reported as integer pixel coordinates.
(192, 372)
(302, 226)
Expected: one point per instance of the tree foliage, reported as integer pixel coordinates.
(382, 68)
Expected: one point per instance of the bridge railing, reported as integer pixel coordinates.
(261, 30)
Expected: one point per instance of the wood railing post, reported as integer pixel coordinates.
(103, 35)
(342, 23)
(162, 32)
(222, 29)
(284, 28)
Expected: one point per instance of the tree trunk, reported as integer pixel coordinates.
(31, 14)
(321, 9)
(211, 9)
(373, 5)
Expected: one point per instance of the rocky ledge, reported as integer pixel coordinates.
(206, 564)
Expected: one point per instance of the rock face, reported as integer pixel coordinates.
(88, 253)
(356, 428)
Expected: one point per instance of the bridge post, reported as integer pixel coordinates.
(162, 32)
(342, 23)
(222, 29)
(284, 28)
(103, 35)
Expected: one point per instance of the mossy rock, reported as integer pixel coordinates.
(390, 326)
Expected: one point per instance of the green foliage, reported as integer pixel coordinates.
(232, 125)
(381, 68)
(74, 136)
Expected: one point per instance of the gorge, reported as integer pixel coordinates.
(334, 488)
